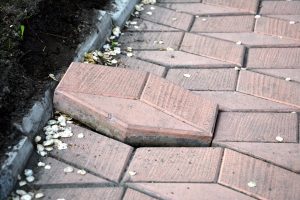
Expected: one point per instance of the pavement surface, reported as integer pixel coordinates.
(207, 108)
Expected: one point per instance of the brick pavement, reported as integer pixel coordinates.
(241, 61)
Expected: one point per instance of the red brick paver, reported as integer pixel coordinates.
(280, 7)
(135, 195)
(174, 165)
(163, 113)
(272, 182)
(248, 5)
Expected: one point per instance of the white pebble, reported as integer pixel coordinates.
(37, 139)
(61, 120)
(149, 13)
(288, 79)
(236, 68)
(257, 16)
(279, 138)
(204, 19)
(30, 179)
(22, 183)
(68, 169)
(41, 164)
(52, 122)
(28, 172)
(132, 173)
(251, 184)
(39, 195)
(48, 142)
(47, 167)
(239, 42)
(42, 153)
(81, 172)
(26, 197)
(80, 135)
(292, 22)
(21, 192)
(187, 75)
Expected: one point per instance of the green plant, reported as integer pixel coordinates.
(22, 29)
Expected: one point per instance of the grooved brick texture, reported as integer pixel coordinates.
(247, 5)
(213, 48)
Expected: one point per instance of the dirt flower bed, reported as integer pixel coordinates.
(37, 38)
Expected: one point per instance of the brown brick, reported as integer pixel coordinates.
(180, 103)
(256, 40)
(274, 58)
(202, 9)
(174, 165)
(295, 18)
(204, 79)
(271, 182)
(278, 27)
(146, 40)
(167, 17)
(135, 195)
(247, 5)
(132, 63)
(106, 193)
(57, 176)
(268, 87)
(180, 59)
(284, 155)
(191, 191)
(225, 24)
(144, 25)
(294, 74)
(213, 48)
(235, 101)
(280, 7)
(111, 81)
(96, 153)
(256, 127)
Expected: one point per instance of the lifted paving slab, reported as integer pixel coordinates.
(135, 107)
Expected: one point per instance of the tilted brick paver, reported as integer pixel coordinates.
(106, 193)
(202, 9)
(57, 177)
(236, 101)
(150, 40)
(256, 39)
(167, 17)
(280, 7)
(174, 165)
(180, 59)
(204, 79)
(272, 182)
(191, 191)
(285, 155)
(213, 48)
(180, 103)
(268, 87)
(135, 195)
(166, 114)
(145, 25)
(256, 127)
(278, 27)
(274, 58)
(244, 23)
(95, 153)
(248, 5)
(294, 74)
(132, 63)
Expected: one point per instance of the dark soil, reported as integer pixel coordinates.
(52, 31)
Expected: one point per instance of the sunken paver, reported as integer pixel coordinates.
(224, 24)
(174, 165)
(145, 25)
(277, 27)
(269, 87)
(274, 58)
(256, 39)
(236, 101)
(272, 182)
(57, 177)
(285, 155)
(191, 191)
(167, 17)
(135, 195)
(150, 40)
(166, 114)
(180, 59)
(204, 79)
(132, 63)
(95, 153)
(105, 193)
(256, 127)
(294, 74)
(213, 48)
(247, 5)
(280, 7)
(202, 9)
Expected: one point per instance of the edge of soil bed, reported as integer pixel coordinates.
(42, 109)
